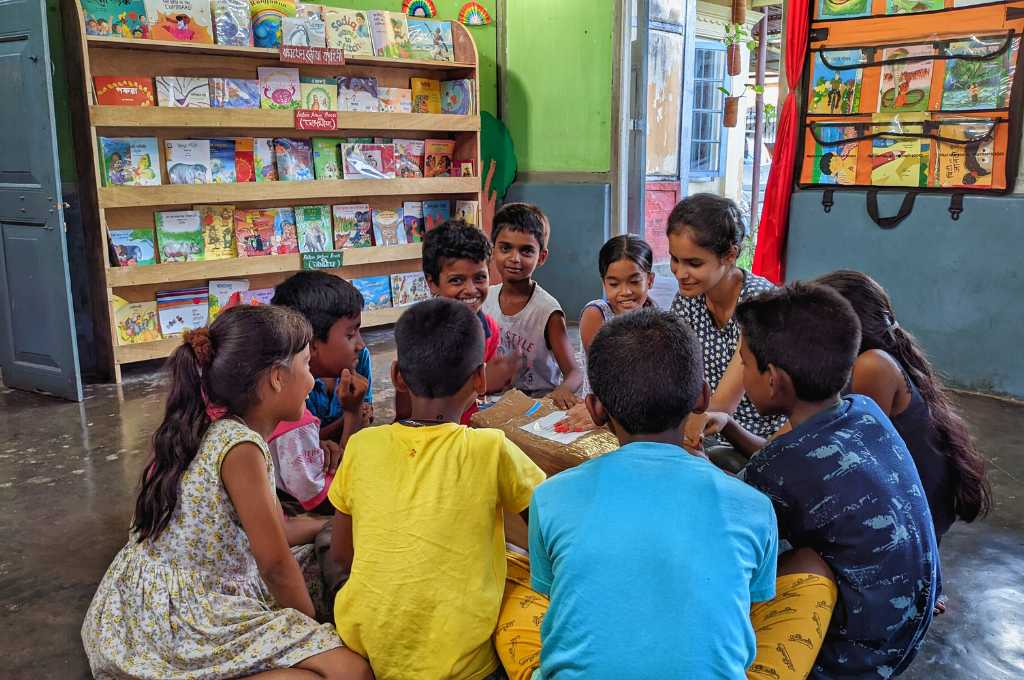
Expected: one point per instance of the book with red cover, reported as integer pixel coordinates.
(437, 157)
(254, 231)
(124, 91)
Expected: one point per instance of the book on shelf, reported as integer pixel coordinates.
(244, 161)
(124, 91)
(326, 156)
(412, 219)
(467, 212)
(222, 161)
(130, 161)
(408, 157)
(408, 288)
(133, 247)
(234, 93)
(254, 231)
(294, 159)
(136, 321)
(436, 213)
(218, 231)
(348, 30)
(368, 161)
(267, 16)
(457, 97)
(465, 167)
(183, 92)
(179, 236)
(313, 228)
(115, 18)
(353, 226)
(426, 95)
(180, 20)
(437, 157)
(431, 40)
(222, 292)
(305, 29)
(188, 161)
(376, 291)
(358, 94)
(183, 310)
(285, 239)
(280, 88)
(319, 94)
(395, 99)
(265, 163)
(906, 85)
(389, 32)
(256, 296)
(388, 227)
(232, 22)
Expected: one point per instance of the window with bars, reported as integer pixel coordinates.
(708, 137)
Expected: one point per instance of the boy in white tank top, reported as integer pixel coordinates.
(531, 321)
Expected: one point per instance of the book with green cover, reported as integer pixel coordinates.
(977, 83)
(326, 158)
(313, 224)
(179, 236)
(319, 94)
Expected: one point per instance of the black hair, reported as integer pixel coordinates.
(807, 330)
(524, 218)
(320, 297)
(879, 330)
(221, 366)
(453, 240)
(440, 343)
(714, 222)
(825, 164)
(647, 368)
(625, 247)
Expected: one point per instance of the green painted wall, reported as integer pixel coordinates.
(559, 78)
(62, 113)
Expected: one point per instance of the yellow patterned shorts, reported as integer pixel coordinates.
(789, 628)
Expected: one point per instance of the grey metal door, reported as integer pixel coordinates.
(37, 335)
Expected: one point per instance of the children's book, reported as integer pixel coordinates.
(266, 164)
(972, 84)
(969, 164)
(234, 93)
(843, 9)
(232, 22)
(130, 161)
(285, 239)
(437, 157)
(457, 97)
(900, 161)
(179, 236)
(115, 18)
(123, 91)
(254, 231)
(188, 161)
(182, 310)
(294, 159)
(408, 157)
(913, 6)
(467, 212)
(426, 95)
(353, 226)
(412, 219)
(905, 86)
(395, 99)
(436, 213)
(267, 16)
(180, 20)
(430, 40)
(368, 161)
(218, 230)
(409, 288)
(319, 94)
(358, 94)
(133, 247)
(183, 92)
(305, 31)
(835, 160)
(244, 161)
(836, 90)
(257, 296)
(313, 228)
(280, 88)
(326, 157)
(222, 161)
(348, 30)
(376, 291)
(389, 32)
(388, 227)
(136, 321)
(222, 292)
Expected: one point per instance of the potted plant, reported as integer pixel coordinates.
(731, 110)
(737, 35)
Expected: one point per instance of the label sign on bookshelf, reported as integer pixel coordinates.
(313, 56)
(309, 119)
(322, 260)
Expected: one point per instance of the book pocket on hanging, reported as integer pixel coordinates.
(834, 153)
(969, 153)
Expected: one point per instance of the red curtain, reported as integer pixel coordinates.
(771, 236)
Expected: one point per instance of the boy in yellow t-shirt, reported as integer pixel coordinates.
(419, 512)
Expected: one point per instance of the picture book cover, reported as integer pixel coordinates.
(254, 231)
(265, 163)
(408, 157)
(412, 221)
(294, 159)
(122, 91)
(457, 97)
(913, 6)
(353, 226)
(389, 32)
(182, 310)
(133, 247)
(188, 161)
(221, 293)
(285, 239)
(905, 86)
(115, 18)
(426, 95)
(267, 18)
(257, 296)
(835, 160)
(358, 94)
(436, 213)
(313, 228)
(136, 321)
(973, 84)
(971, 3)
(218, 231)
(222, 161)
(130, 161)
(388, 227)
(179, 236)
(836, 90)
(843, 9)
(968, 164)
(348, 30)
(244, 160)
(232, 22)
(900, 161)
(409, 288)
(180, 20)
(304, 31)
(183, 92)
(307, 10)
(326, 157)
(437, 157)
(395, 99)
(467, 212)
(280, 88)
(430, 40)
(319, 94)
(234, 93)
(376, 291)
(368, 161)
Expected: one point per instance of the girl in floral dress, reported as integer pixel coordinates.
(207, 586)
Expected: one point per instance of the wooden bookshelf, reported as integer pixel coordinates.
(122, 207)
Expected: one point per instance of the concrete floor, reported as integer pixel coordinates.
(68, 474)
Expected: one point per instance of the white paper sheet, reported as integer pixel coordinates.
(545, 427)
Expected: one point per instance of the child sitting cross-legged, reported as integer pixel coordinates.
(420, 508)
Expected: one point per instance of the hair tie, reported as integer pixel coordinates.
(199, 341)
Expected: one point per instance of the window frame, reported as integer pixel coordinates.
(723, 135)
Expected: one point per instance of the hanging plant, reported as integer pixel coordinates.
(737, 35)
(731, 110)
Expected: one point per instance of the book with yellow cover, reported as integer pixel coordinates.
(426, 95)
(136, 321)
